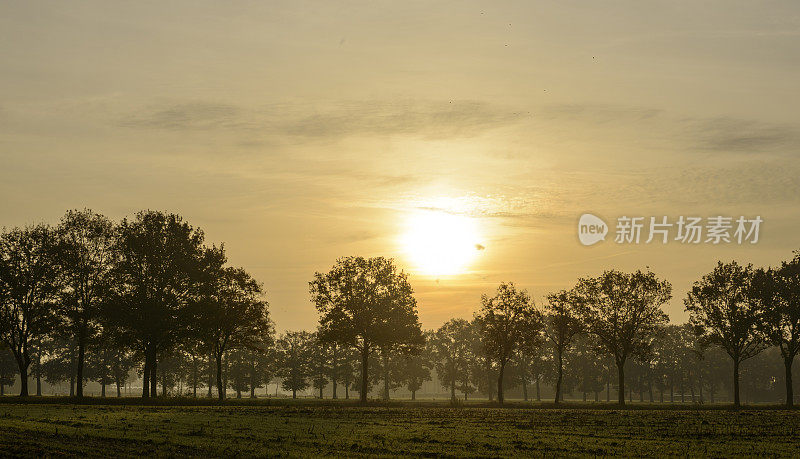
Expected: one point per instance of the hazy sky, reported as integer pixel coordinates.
(298, 132)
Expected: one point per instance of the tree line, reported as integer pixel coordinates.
(91, 299)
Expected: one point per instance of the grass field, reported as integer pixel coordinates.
(304, 429)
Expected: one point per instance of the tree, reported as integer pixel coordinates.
(624, 312)
(8, 369)
(561, 326)
(725, 310)
(366, 303)
(156, 278)
(230, 311)
(451, 352)
(28, 287)
(319, 363)
(504, 322)
(85, 258)
(781, 323)
(294, 350)
(414, 370)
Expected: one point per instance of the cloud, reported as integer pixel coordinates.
(747, 136)
(185, 116)
(714, 134)
(430, 119)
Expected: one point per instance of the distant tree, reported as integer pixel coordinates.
(347, 369)
(85, 258)
(368, 304)
(62, 359)
(451, 349)
(585, 368)
(261, 364)
(294, 350)
(724, 310)
(524, 359)
(339, 366)
(28, 287)
(624, 312)
(483, 370)
(8, 369)
(414, 370)
(386, 371)
(504, 321)
(156, 278)
(561, 326)
(98, 365)
(319, 363)
(238, 370)
(781, 323)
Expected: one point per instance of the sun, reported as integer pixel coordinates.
(441, 244)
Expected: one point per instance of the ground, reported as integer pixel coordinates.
(429, 429)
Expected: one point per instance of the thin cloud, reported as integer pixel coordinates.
(429, 119)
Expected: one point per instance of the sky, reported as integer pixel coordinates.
(299, 132)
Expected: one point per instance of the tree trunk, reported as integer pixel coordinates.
(453, 390)
(413, 395)
(559, 395)
(385, 375)
(23, 377)
(72, 385)
(621, 382)
(103, 389)
(524, 388)
(220, 389)
(333, 380)
(119, 390)
(211, 374)
(154, 372)
(364, 376)
(500, 397)
(81, 358)
(538, 391)
(736, 383)
(787, 362)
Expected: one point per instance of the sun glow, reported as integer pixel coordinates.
(441, 244)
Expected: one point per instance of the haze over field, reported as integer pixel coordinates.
(299, 132)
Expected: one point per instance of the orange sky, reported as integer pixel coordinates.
(297, 132)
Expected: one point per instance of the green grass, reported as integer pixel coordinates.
(308, 428)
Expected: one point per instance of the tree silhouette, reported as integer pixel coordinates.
(561, 326)
(451, 352)
(28, 287)
(504, 321)
(8, 368)
(294, 353)
(368, 304)
(624, 312)
(725, 311)
(781, 323)
(230, 311)
(156, 277)
(85, 259)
